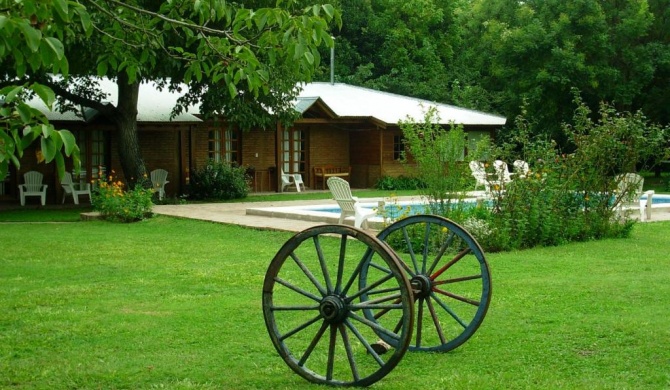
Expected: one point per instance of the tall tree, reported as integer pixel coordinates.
(240, 62)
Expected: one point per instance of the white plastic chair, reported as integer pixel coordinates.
(503, 171)
(479, 173)
(33, 187)
(341, 192)
(628, 195)
(521, 168)
(158, 180)
(74, 190)
(288, 179)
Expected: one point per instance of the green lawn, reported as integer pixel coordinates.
(176, 304)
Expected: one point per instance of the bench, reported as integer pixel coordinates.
(328, 171)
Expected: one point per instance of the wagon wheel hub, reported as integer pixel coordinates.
(421, 286)
(333, 309)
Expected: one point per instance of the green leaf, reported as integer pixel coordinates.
(30, 134)
(329, 10)
(61, 8)
(85, 19)
(33, 36)
(25, 112)
(45, 93)
(46, 130)
(56, 46)
(11, 92)
(3, 21)
(309, 57)
(48, 148)
(60, 165)
(69, 142)
(231, 86)
(102, 68)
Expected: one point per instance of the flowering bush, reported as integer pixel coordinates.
(115, 204)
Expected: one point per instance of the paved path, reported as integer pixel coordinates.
(235, 213)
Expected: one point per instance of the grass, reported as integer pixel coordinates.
(43, 214)
(176, 304)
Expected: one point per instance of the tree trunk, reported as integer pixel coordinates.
(125, 119)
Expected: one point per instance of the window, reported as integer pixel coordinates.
(398, 147)
(294, 151)
(224, 145)
(93, 152)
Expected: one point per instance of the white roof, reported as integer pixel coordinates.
(351, 101)
(153, 105)
(344, 100)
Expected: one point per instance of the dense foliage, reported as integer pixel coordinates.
(397, 183)
(500, 55)
(31, 42)
(219, 181)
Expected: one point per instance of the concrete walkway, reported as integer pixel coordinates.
(236, 213)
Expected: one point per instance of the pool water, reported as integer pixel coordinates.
(393, 210)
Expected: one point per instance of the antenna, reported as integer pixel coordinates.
(332, 63)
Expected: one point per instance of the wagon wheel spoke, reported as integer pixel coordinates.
(450, 278)
(313, 306)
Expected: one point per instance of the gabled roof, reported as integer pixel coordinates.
(352, 101)
(335, 100)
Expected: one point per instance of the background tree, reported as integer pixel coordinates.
(400, 46)
(234, 60)
(502, 55)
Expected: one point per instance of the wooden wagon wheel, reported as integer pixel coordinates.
(450, 279)
(313, 304)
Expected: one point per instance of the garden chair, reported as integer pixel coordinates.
(502, 171)
(32, 187)
(479, 173)
(288, 179)
(341, 192)
(520, 168)
(74, 190)
(628, 195)
(158, 181)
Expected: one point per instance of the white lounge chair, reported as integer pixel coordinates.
(32, 187)
(628, 195)
(479, 173)
(74, 190)
(348, 203)
(503, 172)
(158, 181)
(520, 168)
(288, 179)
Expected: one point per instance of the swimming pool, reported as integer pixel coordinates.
(330, 212)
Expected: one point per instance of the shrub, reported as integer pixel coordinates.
(439, 157)
(390, 183)
(566, 196)
(220, 181)
(115, 204)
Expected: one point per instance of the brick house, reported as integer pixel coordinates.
(341, 125)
